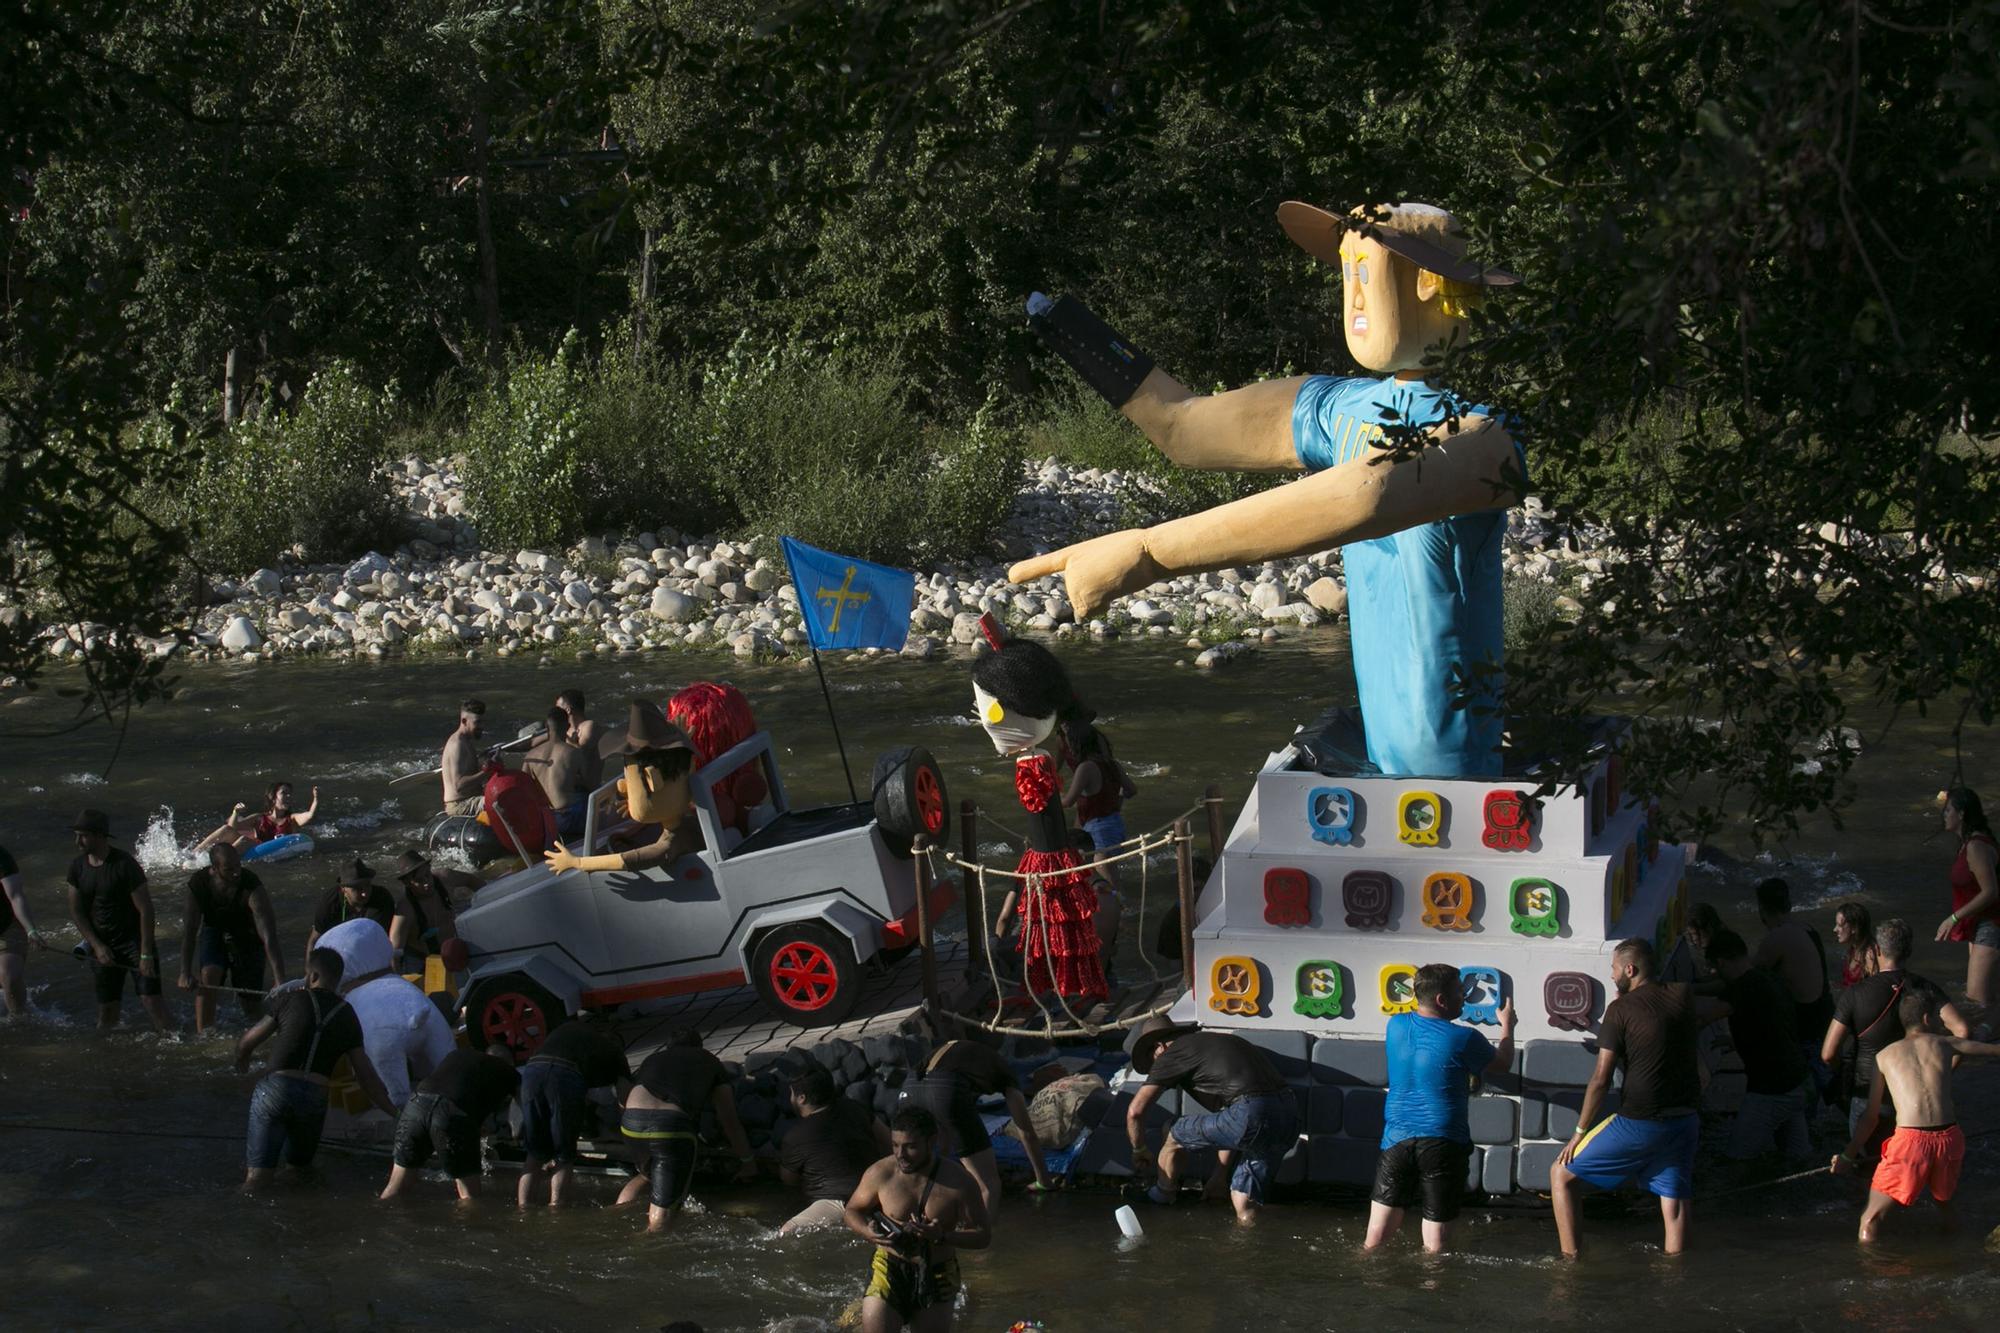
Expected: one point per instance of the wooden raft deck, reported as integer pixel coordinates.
(735, 1025)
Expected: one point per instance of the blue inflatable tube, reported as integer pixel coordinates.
(282, 848)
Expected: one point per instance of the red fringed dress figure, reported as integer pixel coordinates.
(1022, 692)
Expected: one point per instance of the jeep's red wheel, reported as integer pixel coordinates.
(513, 1011)
(910, 799)
(930, 801)
(807, 974)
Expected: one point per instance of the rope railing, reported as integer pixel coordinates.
(1174, 835)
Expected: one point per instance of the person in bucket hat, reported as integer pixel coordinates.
(355, 895)
(113, 911)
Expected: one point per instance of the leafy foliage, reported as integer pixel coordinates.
(1758, 242)
(313, 481)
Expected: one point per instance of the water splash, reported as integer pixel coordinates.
(159, 847)
(82, 779)
(1816, 881)
(946, 720)
(389, 811)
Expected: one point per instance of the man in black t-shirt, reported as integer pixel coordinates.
(17, 931)
(1866, 1013)
(1651, 1030)
(228, 915)
(445, 1113)
(357, 895)
(961, 1072)
(113, 912)
(309, 1029)
(834, 1141)
(555, 1083)
(1253, 1120)
(663, 1116)
(1763, 1027)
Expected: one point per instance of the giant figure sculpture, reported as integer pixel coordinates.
(1419, 512)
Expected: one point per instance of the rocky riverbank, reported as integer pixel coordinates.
(443, 591)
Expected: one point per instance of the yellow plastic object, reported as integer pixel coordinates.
(1236, 986)
(1448, 902)
(1399, 988)
(434, 979)
(343, 1091)
(1419, 818)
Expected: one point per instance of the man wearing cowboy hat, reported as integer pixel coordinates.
(113, 912)
(425, 918)
(659, 761)
(1407, 479)
(1252, 1120)
(356, 895)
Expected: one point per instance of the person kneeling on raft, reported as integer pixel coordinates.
(663, 1116)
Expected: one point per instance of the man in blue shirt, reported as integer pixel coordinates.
(1410, 482)
(1426, 1141)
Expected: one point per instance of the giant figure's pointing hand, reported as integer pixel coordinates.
(1420, 526)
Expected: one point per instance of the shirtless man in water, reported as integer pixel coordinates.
(464, 779)
(917, 1207)
(1928, 1147)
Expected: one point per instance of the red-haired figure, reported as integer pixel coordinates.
(1022, 692)
(717, 717)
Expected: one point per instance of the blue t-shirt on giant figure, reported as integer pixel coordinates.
(1419, 530)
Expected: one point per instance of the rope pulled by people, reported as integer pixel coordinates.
(82, 955)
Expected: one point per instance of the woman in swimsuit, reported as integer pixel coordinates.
(1854, 931)
(1975, 894)
(278, 820)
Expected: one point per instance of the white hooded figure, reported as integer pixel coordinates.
(401, 1029)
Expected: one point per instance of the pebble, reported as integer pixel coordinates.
(444, 590)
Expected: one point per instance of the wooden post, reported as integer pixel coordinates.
(968, 852)
(230, 396)
(1184, 870)
(1211, 797)
(920, 857)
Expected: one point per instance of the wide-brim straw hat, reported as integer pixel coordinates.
(1146, 1039)
(1424, 234)
(648, 729)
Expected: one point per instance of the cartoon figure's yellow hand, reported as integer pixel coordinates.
(559, 859)
(1097, 570)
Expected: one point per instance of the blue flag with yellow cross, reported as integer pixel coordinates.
(850, 603)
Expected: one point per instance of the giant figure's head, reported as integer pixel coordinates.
(1406, 285)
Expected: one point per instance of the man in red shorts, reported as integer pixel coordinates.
(1928, 1147)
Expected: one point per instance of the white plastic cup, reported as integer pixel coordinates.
(1128, 1222)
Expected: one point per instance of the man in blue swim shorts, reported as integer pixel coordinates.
(1650, 1031)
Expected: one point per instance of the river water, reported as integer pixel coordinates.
(118, 1210)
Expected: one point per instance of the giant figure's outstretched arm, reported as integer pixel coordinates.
(1250, 429)
(1460, 473)
(1245, 430)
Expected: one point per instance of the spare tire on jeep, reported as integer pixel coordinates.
(910, 799)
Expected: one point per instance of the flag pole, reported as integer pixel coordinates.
(831, 717)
